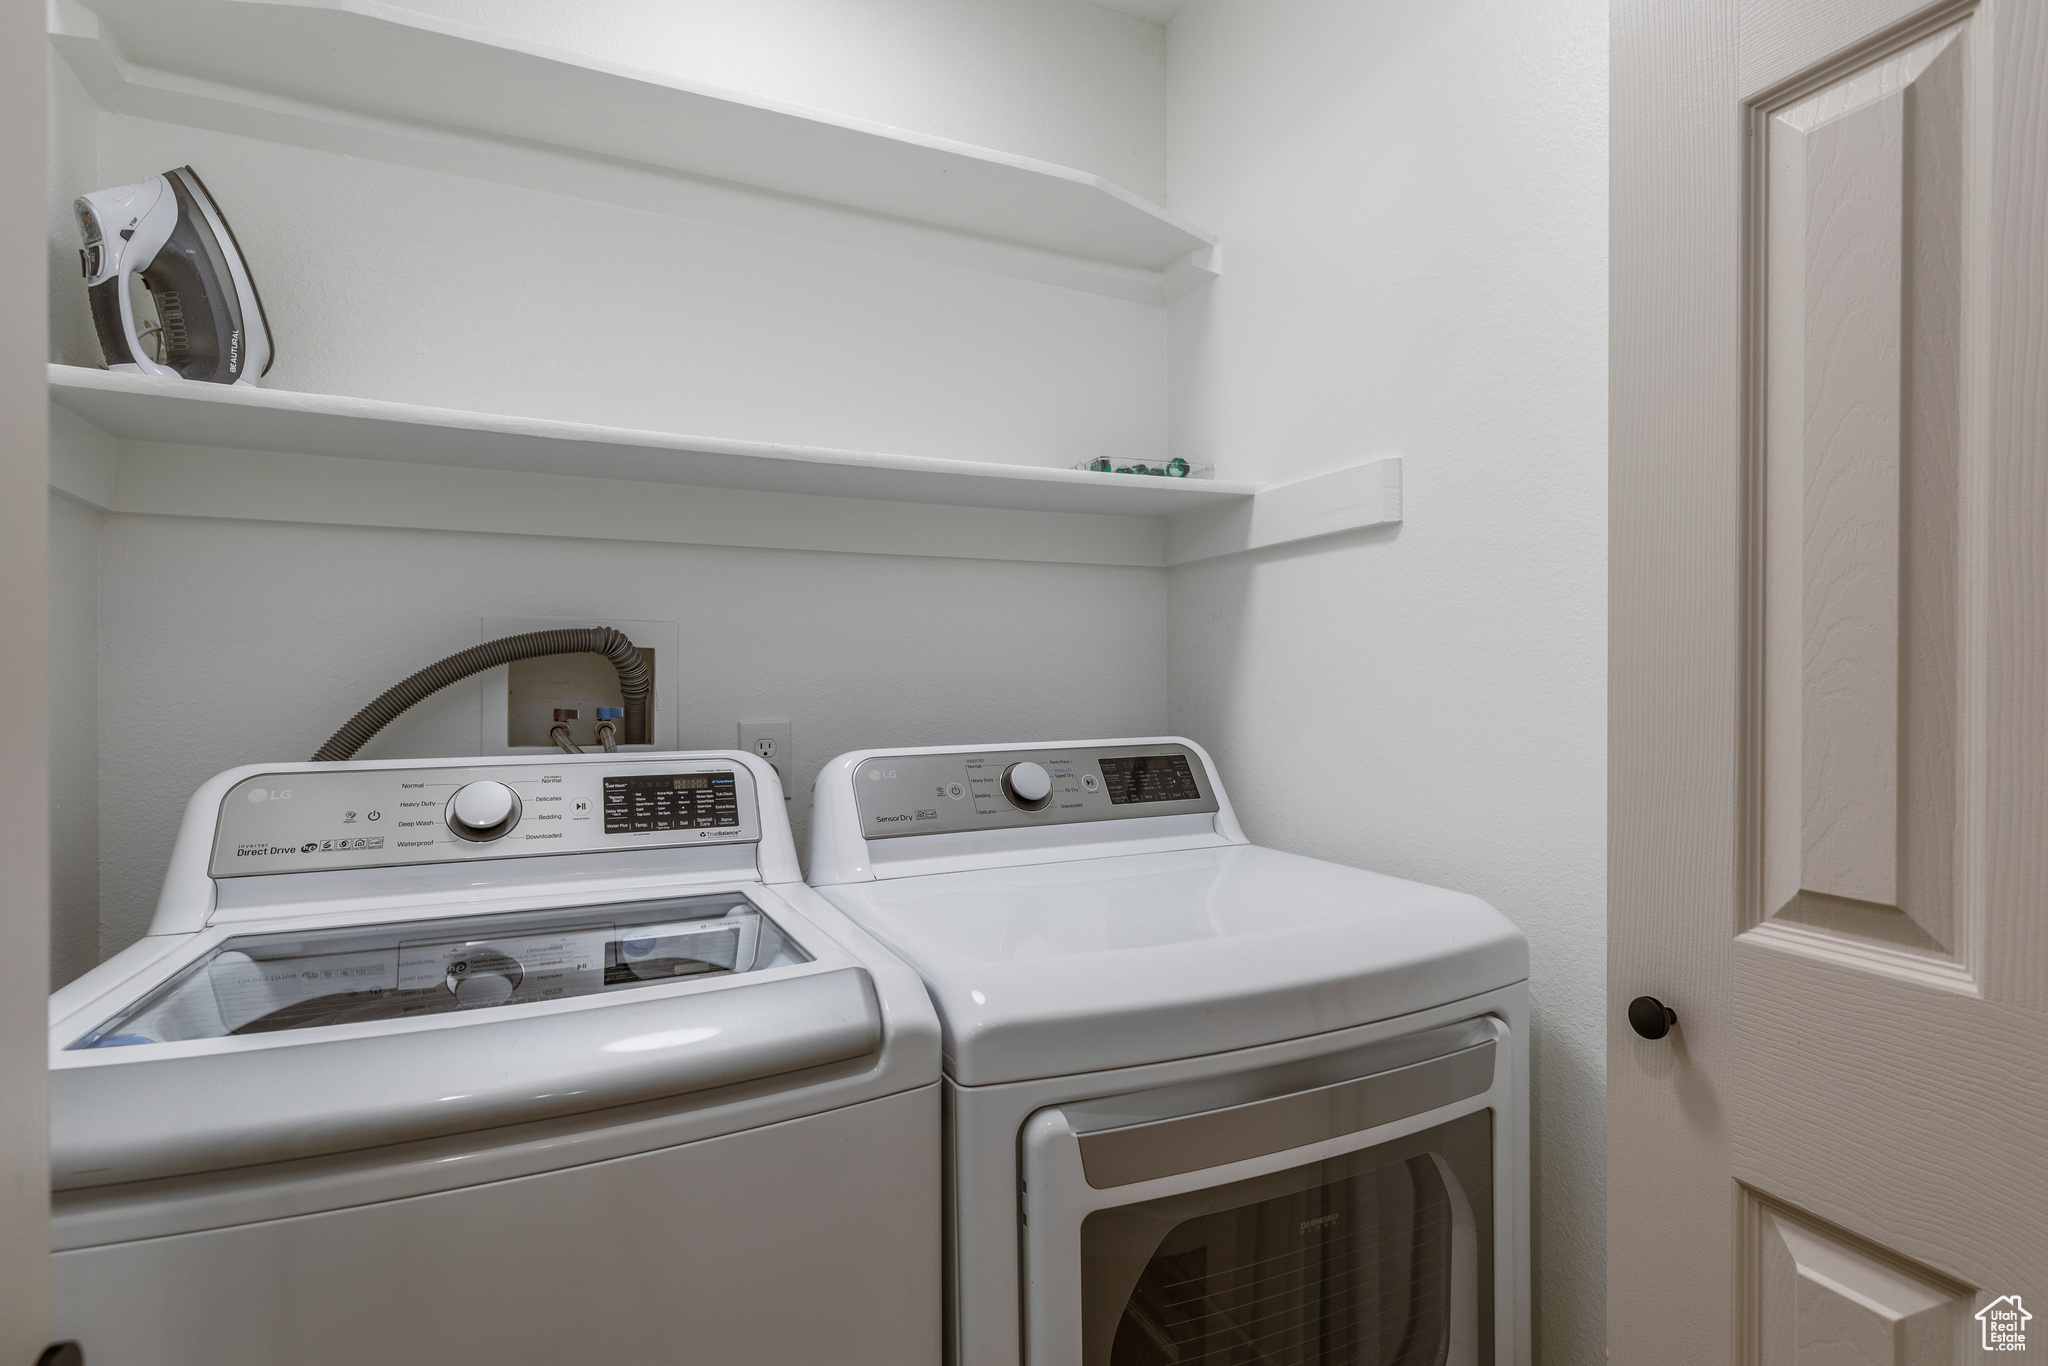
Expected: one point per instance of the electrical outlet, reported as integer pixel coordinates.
(769, 738)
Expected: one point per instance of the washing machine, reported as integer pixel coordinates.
(1204, 1100)
(496, 1061)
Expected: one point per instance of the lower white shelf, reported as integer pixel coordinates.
(175, 412)
(132, 444)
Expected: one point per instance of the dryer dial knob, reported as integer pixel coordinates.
(483, 810)
(1027, 785)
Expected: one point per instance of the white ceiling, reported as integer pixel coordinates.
(1158, 11)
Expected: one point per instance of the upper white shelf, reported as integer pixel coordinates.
(374, 59)
(179, 413)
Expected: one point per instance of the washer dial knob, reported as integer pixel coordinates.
(483, 810)
(1027, 785)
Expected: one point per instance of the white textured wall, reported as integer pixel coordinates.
(1061, 80)
(1412, 200)
(226, 643)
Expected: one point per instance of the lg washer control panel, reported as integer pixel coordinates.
(927, 794)
(375, 817)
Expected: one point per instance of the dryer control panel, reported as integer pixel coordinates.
(1002, 789)
(363, 817)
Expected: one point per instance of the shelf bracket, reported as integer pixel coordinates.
(1190, 273)
(1363, 495)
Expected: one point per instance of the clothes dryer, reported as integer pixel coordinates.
(493, 1061)
(1205, 1101)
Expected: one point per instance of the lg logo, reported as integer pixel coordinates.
(257, 794)
(876, 775)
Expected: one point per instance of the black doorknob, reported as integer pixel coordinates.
(1650, 1017)
(62, 1354)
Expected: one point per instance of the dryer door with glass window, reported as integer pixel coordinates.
(1378, 1258)
(1343, 1211)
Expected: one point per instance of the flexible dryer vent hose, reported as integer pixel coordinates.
(596, 640)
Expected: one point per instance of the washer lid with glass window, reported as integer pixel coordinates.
(265, 1044)
(600, 933)
(1077, 966)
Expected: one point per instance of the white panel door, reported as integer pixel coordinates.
(1829, 786)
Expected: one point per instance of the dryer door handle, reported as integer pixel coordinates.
(1187, 1143)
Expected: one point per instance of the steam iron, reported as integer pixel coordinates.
(210, 323)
